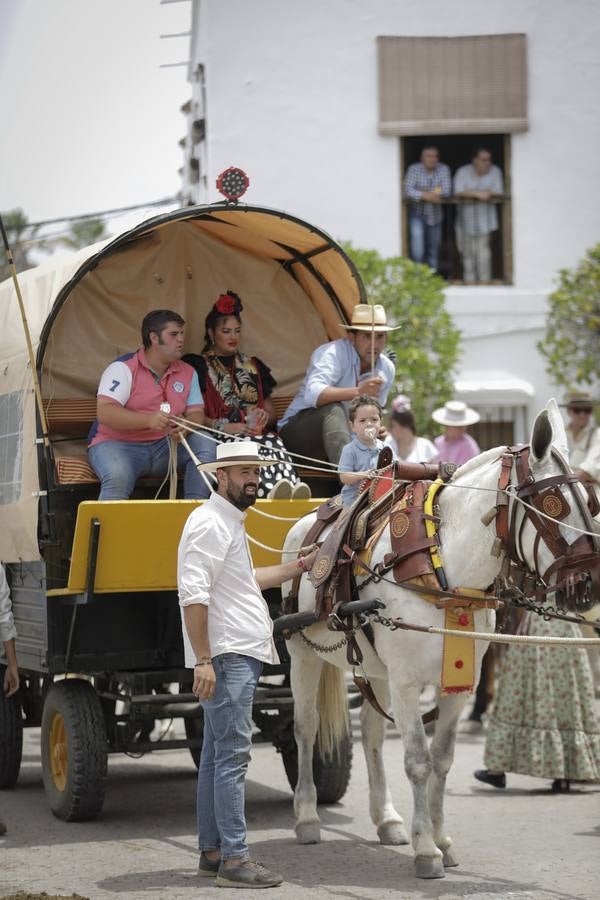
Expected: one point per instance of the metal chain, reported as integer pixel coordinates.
(551, 612)
(321, 648)
(392, 624)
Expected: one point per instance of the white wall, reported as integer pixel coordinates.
(292, 99)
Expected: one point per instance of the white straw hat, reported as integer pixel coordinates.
(455, 412)
(237, 453)
(368, 318)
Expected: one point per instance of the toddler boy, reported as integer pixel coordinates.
(359, 457)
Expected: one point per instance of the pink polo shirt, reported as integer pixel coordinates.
(130, 382)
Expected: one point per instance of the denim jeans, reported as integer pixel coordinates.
(119, 464)
(225, 755)
(425, 241)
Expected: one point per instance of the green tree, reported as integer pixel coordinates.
(85, 232)
(572, 338)
(21, 238)
(428, 344)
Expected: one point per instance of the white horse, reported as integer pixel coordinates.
(403, 662)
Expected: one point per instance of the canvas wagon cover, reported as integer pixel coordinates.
(85, 309)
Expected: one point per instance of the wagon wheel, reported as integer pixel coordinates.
(331, 773)
(11, 737)
(74, 750)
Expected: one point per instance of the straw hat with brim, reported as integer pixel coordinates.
(455, 413)
(368, 318)
(238, 453)
(579, 398)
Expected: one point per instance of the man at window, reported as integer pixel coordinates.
(426, 184)
(476, 185)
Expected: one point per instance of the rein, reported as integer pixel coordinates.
(544, 497)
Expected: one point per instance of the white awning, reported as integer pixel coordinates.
(495, 388)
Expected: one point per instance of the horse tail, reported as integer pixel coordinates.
(332, 705)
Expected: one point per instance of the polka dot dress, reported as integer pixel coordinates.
(270, 447)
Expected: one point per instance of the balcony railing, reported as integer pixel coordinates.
(450, 264)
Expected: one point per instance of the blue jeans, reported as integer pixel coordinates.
(425, 240)
(225, 755)
(119, 464)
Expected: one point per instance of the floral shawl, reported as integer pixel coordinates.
(231, 389)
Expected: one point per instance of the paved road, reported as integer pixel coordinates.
(521, 843)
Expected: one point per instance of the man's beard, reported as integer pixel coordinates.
(239, 496)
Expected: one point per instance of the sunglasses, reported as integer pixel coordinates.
(581, 410)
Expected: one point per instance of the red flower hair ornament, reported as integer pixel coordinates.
(228, 304)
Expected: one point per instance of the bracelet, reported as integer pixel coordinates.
(203, 661)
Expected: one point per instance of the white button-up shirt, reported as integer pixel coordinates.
(7, 623)
(336, 364)
(214, 568)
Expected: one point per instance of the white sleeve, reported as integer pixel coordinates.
(427, 451)
(115, 383)
(206, 546)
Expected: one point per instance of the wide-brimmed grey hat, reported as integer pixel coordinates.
(579, 398)
(455, 412)
(237, 453)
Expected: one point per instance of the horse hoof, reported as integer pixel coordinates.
(393, 833)
(449, 860)
(429, 867)
(308, 833)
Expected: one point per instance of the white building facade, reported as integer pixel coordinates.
(324, 116)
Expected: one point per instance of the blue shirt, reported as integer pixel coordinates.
(419, 179)
(357, 457)
(336, 364)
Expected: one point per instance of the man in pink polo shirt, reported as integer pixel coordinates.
(136, 395)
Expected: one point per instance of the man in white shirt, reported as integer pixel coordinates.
(8, 634)
(476, 185)
(315, 423)
(228, 635)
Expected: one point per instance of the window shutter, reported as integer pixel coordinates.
(452, 85)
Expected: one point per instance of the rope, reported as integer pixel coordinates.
(172, 469)
(193, 426)
(505, 638)
(267, 515)
(509, 492)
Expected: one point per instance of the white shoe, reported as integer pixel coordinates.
(281, 490)
(301, 491)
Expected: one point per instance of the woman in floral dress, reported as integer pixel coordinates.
(237, 396)
(544, 722)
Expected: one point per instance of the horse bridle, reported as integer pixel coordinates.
(571, 573)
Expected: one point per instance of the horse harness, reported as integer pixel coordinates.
(570, 574)
(416, 564)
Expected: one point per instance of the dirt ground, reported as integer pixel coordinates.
(523, 843)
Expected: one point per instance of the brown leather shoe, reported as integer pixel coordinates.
(247, 874)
